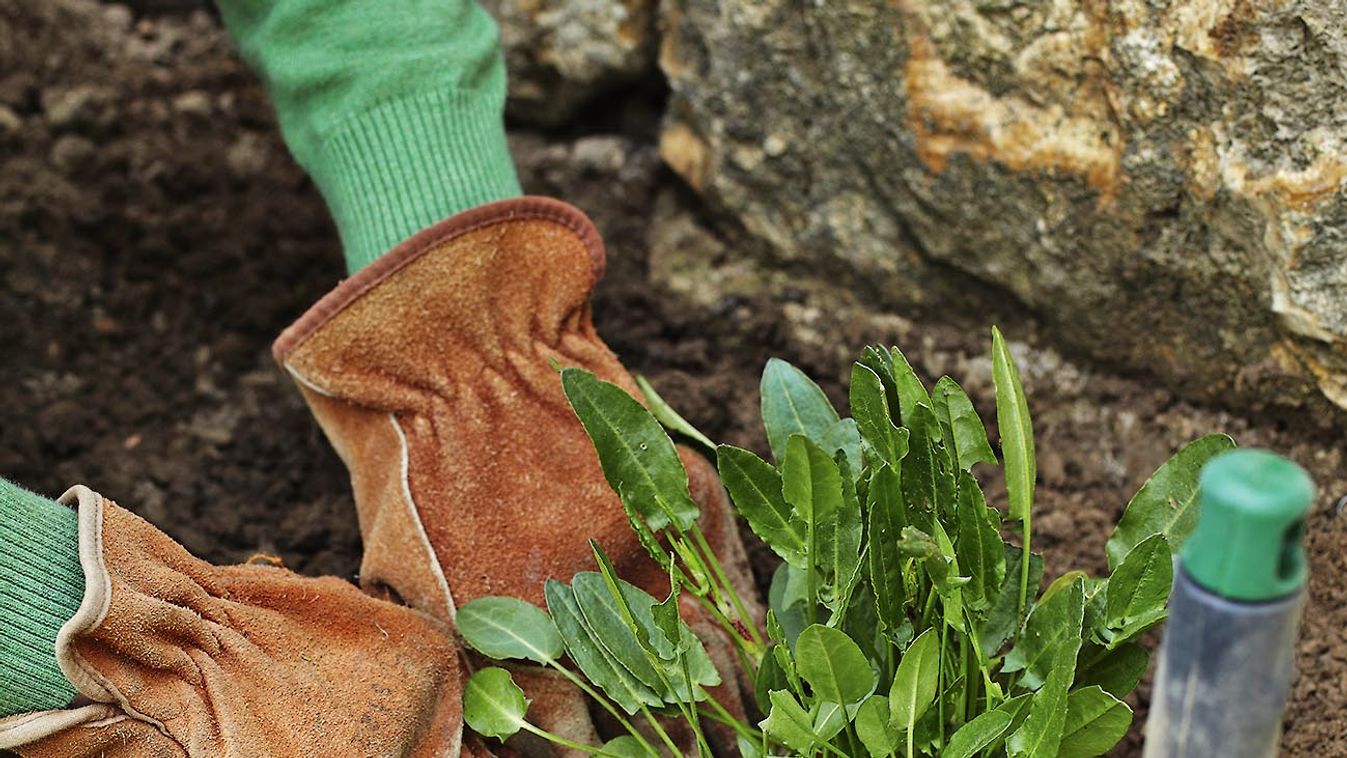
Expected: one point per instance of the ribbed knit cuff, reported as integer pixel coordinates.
(41, 586)
(397, 168)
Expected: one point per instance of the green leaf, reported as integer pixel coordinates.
(1139, 589)
(615, 634)
(1017, 433)
(638, 458)
(1167, 503)
(812, 484)
(604, 615)
(625, 746)
(962, 425)
(916, 681)
(493, 705)
(831, 718)
(786, 598)
(870, 406)
(508, 628)
(594, 661)
(1054, 625)
(1115, 671)
(793, 404)
(770, 676)
(1041, 733)
(669, 417)
(921, 468)
(911, 392)
(839, 543)
(977, 735)
(833, 665)
(755, 487)
(844, 438)
(1095, 722)
(982, 556)
(788, 723)
(885, 506)
(874, 727)
(1003, 619)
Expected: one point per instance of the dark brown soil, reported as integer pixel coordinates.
(155, 237)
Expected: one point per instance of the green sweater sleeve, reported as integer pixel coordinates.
(394, 108)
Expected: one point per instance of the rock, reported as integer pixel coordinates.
(73, 107)
(1163, 183)
(10, 123)
(562, 53)
(70, 153)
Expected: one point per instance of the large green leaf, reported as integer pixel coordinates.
(1095, 721)
(1054, 625)
(1116, 671)
(1138, 590)
(786, 597)
(977, 734)
(922, 473)
(793, 404)
(789, 723)
(1004, 618)
(982, 556)
(1041, 733)
(844, 437)
(911, 392)
(870, 407)
(964, 433)
(638, 458)
(812, 484)
(1017, 432)
(839, 542)
(669, 417)
(755, 487)
(885, 499)
(875, 728)
(916, 681)
(833, 664)
(509, 628)
(493, 705)
(604, 615)
(594, 661)
(1167, 503)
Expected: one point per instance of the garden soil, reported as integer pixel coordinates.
(155, 237)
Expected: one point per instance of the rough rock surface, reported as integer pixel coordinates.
(1161, 181)
(562, 53)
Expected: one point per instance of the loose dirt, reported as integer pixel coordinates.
(155, 237)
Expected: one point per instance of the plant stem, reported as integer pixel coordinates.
(603, 702)
(1024, 562)
(717, 713)
(558, 739)
(735, 600)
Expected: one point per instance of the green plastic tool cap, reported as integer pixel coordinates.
(1247, 542)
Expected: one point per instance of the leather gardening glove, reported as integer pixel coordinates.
(432, 373)
(176, 657)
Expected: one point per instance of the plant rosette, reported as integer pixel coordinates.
(902, 620)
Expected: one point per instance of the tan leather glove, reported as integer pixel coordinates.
(433, 374)
(176, 657)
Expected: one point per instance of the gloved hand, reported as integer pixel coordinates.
(433, 374)
(174, 657)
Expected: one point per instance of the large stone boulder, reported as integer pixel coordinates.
(563, 53)
(1162, 182)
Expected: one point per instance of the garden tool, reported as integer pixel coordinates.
(434, 374)
(173, 656)
(1227, 658)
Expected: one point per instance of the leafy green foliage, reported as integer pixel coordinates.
(909, 617)
(493, 705)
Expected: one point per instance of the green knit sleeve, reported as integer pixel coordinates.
(394, 108)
